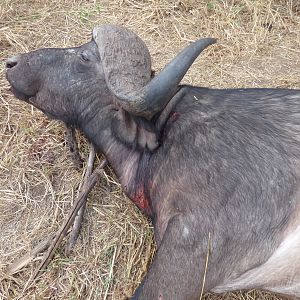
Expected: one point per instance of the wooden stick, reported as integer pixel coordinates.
(68, 221)
(73, 146)
(78, 219)
(23, 261)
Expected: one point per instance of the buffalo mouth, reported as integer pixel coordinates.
(21, 96)
(17, 92)
(30, 100)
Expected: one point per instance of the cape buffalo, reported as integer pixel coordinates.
(218, 170)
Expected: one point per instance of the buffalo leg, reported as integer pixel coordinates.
(178, 268)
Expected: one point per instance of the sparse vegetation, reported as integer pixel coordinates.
(258, 46)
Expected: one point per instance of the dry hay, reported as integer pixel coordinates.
(258, 46)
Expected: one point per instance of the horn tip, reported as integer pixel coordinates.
(209, 40)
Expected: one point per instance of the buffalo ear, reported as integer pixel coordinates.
(125, 58)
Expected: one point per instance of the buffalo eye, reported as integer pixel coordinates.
(84, 56)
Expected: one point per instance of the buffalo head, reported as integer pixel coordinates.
(114, 67)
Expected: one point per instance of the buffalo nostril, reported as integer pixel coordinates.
(11, 62)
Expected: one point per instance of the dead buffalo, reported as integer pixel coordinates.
(218, 170)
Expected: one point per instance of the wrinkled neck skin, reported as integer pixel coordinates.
(127, 143)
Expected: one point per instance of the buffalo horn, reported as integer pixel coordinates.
(154, 96)
(126, 64)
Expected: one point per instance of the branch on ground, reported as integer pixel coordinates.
(78, 219)
(71, 142)
(51, 243)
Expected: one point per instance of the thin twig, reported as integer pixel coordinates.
(68, 222)
(206, 265)
(23, 261)
(73, 146)
(110, 275)
(78, 219)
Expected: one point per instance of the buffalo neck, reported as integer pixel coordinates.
(125, 158)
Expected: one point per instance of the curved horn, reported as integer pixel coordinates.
(154, 96)
(126, 64)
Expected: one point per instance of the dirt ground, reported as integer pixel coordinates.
(258, 46)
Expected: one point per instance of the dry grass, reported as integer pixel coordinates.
(37, 179)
